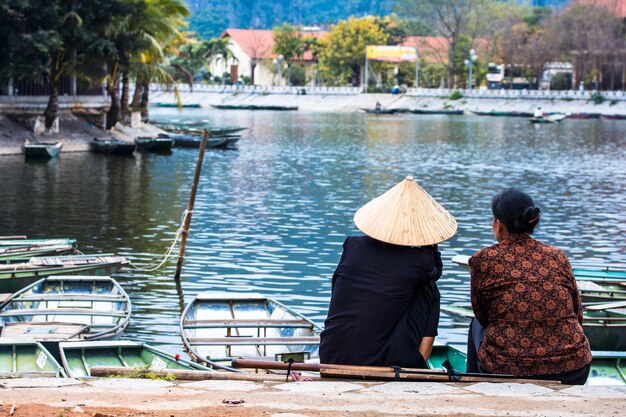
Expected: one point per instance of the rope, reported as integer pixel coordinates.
(168, 252)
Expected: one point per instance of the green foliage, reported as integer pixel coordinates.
(561, 82)
(612, 102)
(432, 75)
(291, 44)
(456, 95)
(537, 17)
(298, 75)
(342, 52)
(145, 373)
(597, 97)
(208, 23)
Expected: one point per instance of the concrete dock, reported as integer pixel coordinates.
(57, 397)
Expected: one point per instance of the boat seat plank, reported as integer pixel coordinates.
(247, 323)
(29, 374)
(589, 286)
(70, 297)
(43, 331)
(235, 341)
(63, 311)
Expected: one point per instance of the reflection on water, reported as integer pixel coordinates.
(272, 214)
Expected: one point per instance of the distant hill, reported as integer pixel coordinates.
(210, 17)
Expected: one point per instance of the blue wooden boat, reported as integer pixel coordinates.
(42, 150)
(218, 326)
(62, 308)
(27, 358)
(16, 276)
(449, 112)
(158, 144)
(190, 141)
(112, 146)
(79, 357)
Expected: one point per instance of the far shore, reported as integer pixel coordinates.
(77, 132)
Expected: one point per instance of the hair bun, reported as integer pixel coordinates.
(532, 214)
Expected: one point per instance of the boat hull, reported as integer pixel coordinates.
(112, 147)
(42, 150)
(154, 144)
(27, 358)
(253, 107)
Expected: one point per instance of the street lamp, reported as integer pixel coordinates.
(470, 63)
(277, 61)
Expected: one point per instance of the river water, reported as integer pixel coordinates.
(271, 215)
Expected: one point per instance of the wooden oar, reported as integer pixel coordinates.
(383, 372)
(188, 375)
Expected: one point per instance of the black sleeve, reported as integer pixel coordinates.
(345, 242)
(433, 317)
(437, 269)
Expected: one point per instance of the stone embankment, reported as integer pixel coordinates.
(132, 397)
(354, 102)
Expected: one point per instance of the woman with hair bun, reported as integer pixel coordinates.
(528, 311)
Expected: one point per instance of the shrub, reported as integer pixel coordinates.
(597, 97)
(456, 95)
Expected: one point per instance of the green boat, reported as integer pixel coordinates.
(27, 358)
(18, 275)
(23, 253)
(189, 141)
(605, 329)
(253, 107)
(42, 150)
(79, 357)
(63, 308)
(36, 242)
(607, 367)
(154, 144)
(496, 113)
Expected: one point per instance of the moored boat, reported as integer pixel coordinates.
(613, 116)
(158, 144)
(439, 111)
(112, 146)
(27, 358)
(62, 308)
(42, 150)
(253, 107)
(36, 242)
(497, 113)
(607, 367)
(79, 357)
(16, 253)
(584, 116)
(189, 141)
(170, 105)
(218, 326)
(605, 329)
(18, 275)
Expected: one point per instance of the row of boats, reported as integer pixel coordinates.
(162, 143)
(63, 325)
(549, 117)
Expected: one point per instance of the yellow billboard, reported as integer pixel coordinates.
(391, 53)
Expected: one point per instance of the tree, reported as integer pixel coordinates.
(289, 42)
(342, 52)
(451, 18)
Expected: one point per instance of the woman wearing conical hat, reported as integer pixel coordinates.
(384, 308)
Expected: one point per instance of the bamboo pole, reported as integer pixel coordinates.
(188, 375)
(190, 205)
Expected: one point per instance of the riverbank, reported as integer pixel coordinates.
(75, 131)
(50, 397)
(355, 102)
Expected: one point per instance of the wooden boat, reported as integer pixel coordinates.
(36, 242)
(551, 118)
(170, 105)
(605, 329)
(158, 144)
(450, 112)
(253, 107)
(79, 357)
(218, 326)
(380, 111)
(112, 146)
(62, 308)
(496, 113)
(189, 141)
(27, 358)
(607, 367)
(613, 116)
(196, 129)
(42, 150)
(229, 141)
(18, 275)
(23, 253)
(584, 116)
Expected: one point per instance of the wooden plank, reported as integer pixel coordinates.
(305, 340)
(63, 312)
(71, 297)
(246, 323)
(607, 306)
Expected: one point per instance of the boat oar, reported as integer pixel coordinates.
(383, 372)
(183, 374)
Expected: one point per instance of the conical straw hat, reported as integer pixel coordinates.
(406, 215)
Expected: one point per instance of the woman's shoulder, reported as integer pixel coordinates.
(485, 253)
(551, 250)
